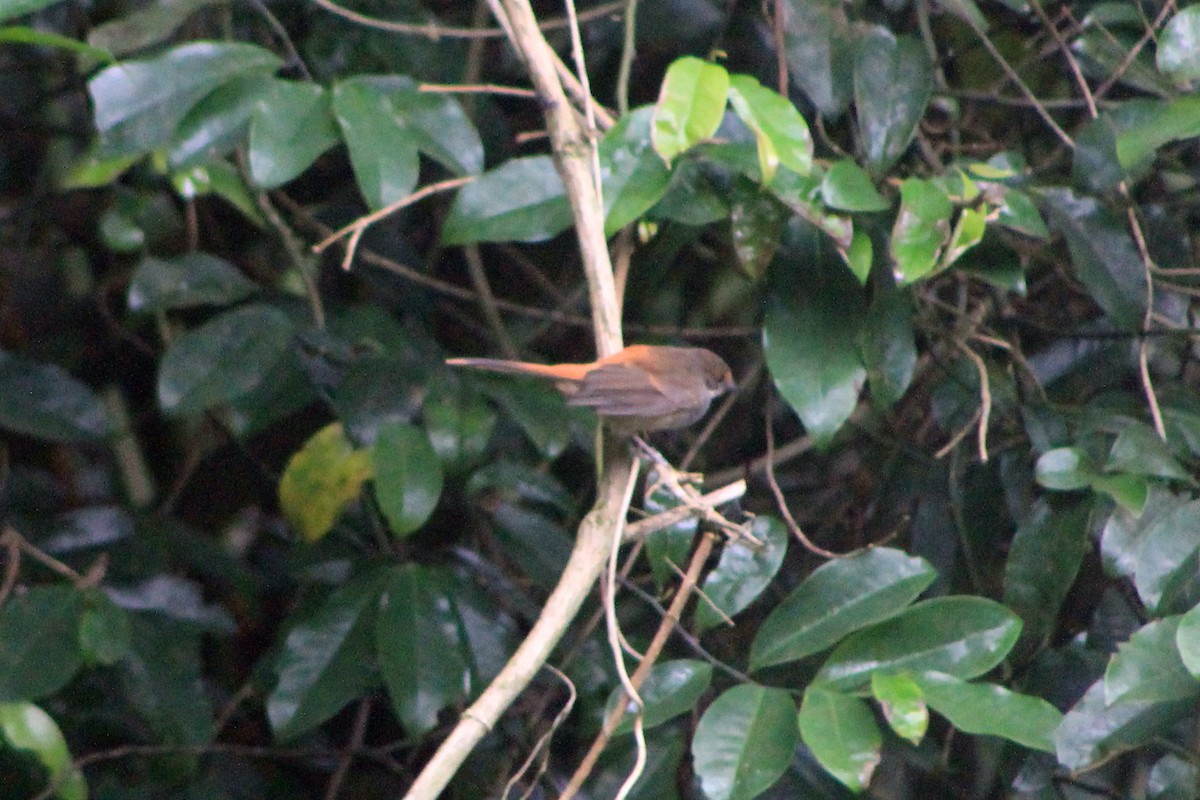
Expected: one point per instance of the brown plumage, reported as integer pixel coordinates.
(641, 388)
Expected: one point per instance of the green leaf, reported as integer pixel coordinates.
(383, 151)
(962, 636)
(321, 479)
(539, 410)
(690, 106)
(326, 660)
(138, 104)
(1167, 562)
(160, 677)
(903, 704)
(1064, 469)
(892, 83)
(842, 734)
(222, 179)
(968, 232)
(1104, 257)
(227, 357)
(24, 726)
(522, 200)
(1093, 731)
(420, 646)
(1158, 124)
(39, 642)
(1172, 778)
(459, 427)
(1125, 531)
(921, 230)
(742, 573)
(218, 123)
(93, 170)
(435, 121)
(810, 336)
(44, 401)
(838, 598)
(1044, 559)
(756, 222)
(634, 177)
(10, 9)
(779, 130)
(291, 126)
(1148, 668)
(187, 281)
(888, 345)
(1139, 450)
(820, 54)
(145, 26)
(744, 742)
(19, 34)
(1018, 212)
(672, 688)
(1187, 640)
(408, 476)
(105, 630)
(1178, 53)
(989, 710)
(848, 186)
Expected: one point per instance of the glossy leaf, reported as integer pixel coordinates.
(1149, 668)
(144, 26)
(186, 281)
(968, 232)
(1167, 559)
(138, 104)
(226, 358)
(1103, 255)
(903, 704)
(539, 410)
(459, 427)
(743, 572)
(756, 222)
(1044, 559)
(326, 660)
(408, 477)
(963, 636)
(161, 679)
(838, 598)
(989, 710)
(820, 54)
(810, 338)
(1125, 530)
(435, 122)
(1187, 640)
(383, 151)
(1178, 52)
(291, 126)
(1064, 469)
(921, 230)
(848, 186)
(888, 345)
(1018, 212)
(1139, 450)
(892, 83)
(321, 479)
(672, 688)
(841, 732)
(25, 727)
(633, 176)
(222, 179)
(44, 401)
(1093, 731)
(690, 106)
(218, 123)
(744, 742)
(1159, 124)
(522, 200)
(420, 646)
(780, 132)
(105, 630)
(39, 642)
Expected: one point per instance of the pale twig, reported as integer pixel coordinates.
(674, 614)
(435, 32)
(673, 516)
(781, 501)
(364, 222)
(540, 747)
(628, 52)
(985, 399)
(477, 88)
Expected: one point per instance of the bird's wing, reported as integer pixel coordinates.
(621, 390)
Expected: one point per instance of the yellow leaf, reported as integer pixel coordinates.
(321, 479)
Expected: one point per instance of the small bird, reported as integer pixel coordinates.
(642, 388)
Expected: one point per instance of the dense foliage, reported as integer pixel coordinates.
(258, 540)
